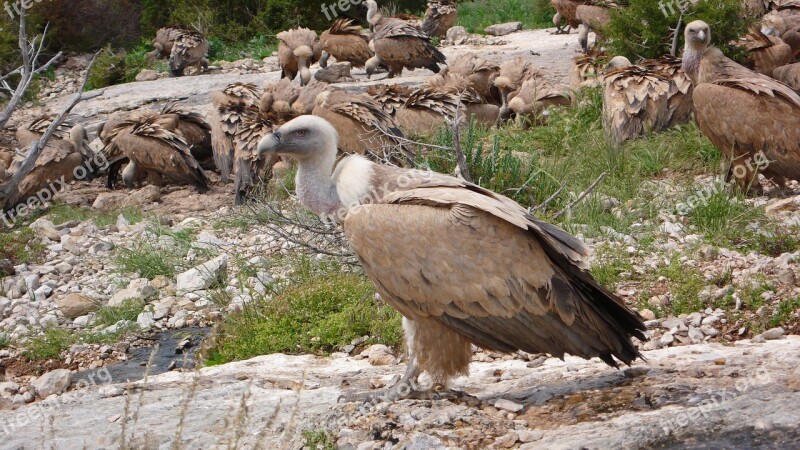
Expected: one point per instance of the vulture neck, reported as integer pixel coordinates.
(315, 187)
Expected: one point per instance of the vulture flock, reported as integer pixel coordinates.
(352, 154)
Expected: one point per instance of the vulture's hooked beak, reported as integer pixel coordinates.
(269, 144)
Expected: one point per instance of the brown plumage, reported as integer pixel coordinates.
(363, 126)
(298, 49)
(765, 52)
(587, 69)
(635, 101)
(789, 75)
(724, 93)
(154, 149)
(679, 103)
(55, 166)
(189, 50)
(345, 41)
(440, 16)
(478, 270)
(229, 107)
(479, 72)
(163, 42)
(399, 45)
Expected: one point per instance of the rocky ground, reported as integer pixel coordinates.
(524, 401)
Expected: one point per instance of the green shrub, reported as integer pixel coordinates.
(642, 30)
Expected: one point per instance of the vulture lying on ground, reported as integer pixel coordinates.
(162, 44)
(440, 16)
(398, 45)
(153, 149)
(189, 50)
(345, 42)
(723, 92)
(298, 49)
(58, 164)
(230, 105)
(501, 279)
(635, 100)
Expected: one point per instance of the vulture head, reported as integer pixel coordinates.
(698, 35)
(303, 138)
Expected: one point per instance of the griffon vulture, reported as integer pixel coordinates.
(635, 100)
(56, 165)
(230, 105)
(153, 148)
(723, 92)
(765, 52)
(789, 75)
(587, 69)
(479, 270)
(399, 45)
(190, 49)
(440, 16)
(298, 49)
(363, 125)
(345, 41)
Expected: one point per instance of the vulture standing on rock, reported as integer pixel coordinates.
(230, 105)
(635, 100)
(189, 50)
(724, 93)
(152, 148)
(478, 270)
(345, 42)
(440, 16)
(298, 49)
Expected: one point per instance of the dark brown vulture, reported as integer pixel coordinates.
(748, 116)
(230, 105)
(298, 49)
(440, 16)
(345, 42)
(478, 270)
(398, 45)
(189, 50)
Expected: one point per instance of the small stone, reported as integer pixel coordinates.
(508, 405)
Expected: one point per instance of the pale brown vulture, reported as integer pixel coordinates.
(765, 52)
(478, 270)
(724, 93)
(59, 163)
(399, 45)
(679, 103)
(298, 49)
(587, 69)
(230, 105)
(364, 127)
(440, 16)
(345, 41)
(162, 44)
(152, 148)
(479, 72)
(189, 50)
(789, 75)
(635, 100)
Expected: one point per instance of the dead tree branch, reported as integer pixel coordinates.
(581, 197)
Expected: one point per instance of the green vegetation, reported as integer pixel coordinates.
(20, 246)
(475, 15)
(642, 30)
(128, 310)
(319, 309)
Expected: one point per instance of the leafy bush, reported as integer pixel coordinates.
(643, 30)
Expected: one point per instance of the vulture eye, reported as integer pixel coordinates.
(301, 133)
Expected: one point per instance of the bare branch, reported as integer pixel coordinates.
(581, 197)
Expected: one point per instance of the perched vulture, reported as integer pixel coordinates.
(479, 72)
(162, 44)
(56, 165)
(724, 93)
(345, 42)
(635, 100)
(398, 45)
(478, 270)
(789, 75)
(766, 52)
(154, 149)
(307, 99)
(230, 105)
(440, 16)
(363, 126)
(587, 69)
(190, 49)
(679, 103)
(298, 48)
(785, 28)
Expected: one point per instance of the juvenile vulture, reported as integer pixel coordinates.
(162, 44)
(189, 50)
(298, 49)
(479, 72)
(789, 75)
(587, 69)
(440, 16)
(55, 166)
(345, 42)
(230, 105)
(635, 100)
(195, 130)
(766, 52)
(479, 270)
(679, 98)
(398, 45)
(363, 125)
(723, 91)
(154, 149)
